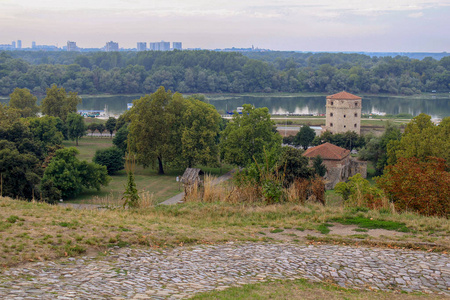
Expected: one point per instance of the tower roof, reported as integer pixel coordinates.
(343, 96)
(327, 151)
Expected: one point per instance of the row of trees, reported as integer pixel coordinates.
(209, 71)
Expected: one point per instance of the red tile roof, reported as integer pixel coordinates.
(327, 151)
(343, 96)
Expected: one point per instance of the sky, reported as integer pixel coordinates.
(287, 25)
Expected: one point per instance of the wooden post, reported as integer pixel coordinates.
(1, 184)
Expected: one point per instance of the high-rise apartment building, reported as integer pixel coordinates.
(72, 46)
(33, 44)
(13, 44)
(19, 44)
(154, 47)
(165, 46)
(112, 46)
(160, 46)
(141, 46)
(177, 46)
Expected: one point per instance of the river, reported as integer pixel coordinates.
(438, 106)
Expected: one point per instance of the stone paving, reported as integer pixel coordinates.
(182, 272)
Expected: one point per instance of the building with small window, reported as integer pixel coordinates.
(343, 113)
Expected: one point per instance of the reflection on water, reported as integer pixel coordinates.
(436, 106)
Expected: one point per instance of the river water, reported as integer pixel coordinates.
(438, 106)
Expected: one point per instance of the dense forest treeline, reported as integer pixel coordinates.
(216, 72)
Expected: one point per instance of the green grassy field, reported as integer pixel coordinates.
(302, 289)
(147, 180)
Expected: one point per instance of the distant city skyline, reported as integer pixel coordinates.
(307, 25)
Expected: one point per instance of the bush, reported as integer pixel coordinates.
(112, 158)
(358, 192)
(420, 186)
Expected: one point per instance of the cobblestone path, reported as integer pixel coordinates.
(181, 272)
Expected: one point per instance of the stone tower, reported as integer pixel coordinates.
(343, 113)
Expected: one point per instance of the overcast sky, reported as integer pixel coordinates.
(301, 25)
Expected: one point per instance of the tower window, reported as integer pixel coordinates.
(356, 114)
(356, 125)
(331, 114)
(331, 103)
(356, 104)
(344, 116)
(331, 124)
(345, 126)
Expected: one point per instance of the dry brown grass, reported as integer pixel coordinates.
(38, 231)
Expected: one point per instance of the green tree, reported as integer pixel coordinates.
(293, 165)
(112, 158)
(199, 131)
(101, 128)
(376, 148)
(150, 129)
(120, 139)
(304, 137)
(75, 126)
(21, 172)
(45, 129)
(24, 102)
(58, 104)
(70, 175)
(247, 135)
(111, 125)
(318, 166)
(422, 139)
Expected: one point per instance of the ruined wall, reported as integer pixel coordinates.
(341, 170)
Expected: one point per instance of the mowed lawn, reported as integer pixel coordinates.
(147, 180)
(162, 187)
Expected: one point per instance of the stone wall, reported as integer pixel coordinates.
(343, 116)
(341, 170)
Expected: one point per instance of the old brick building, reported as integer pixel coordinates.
(343, 113)
(340, 165)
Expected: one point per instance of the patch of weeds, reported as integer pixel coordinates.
(291, 234)
(124, 229)
(12, 219)
(287, 227)
(384, 211)
(264, 226)
(372, 224)
(74, 250)
(260, 232)
(23, 235)
(92, 241)
(4, 225)
(72, 224)
(277, 230)
(359, 236)
(122, 244)
(118, 243)
(360, 230)
(300, 229)
(324, 228)
(186, 240)
(357, 209)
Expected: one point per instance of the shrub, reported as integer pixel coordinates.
(421, 186)
(359, 192)
(112, 158)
